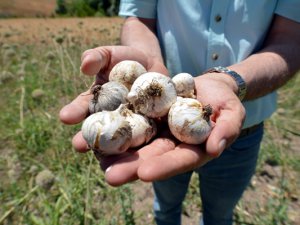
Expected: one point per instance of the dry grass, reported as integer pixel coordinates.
(32, 31)
(31, 8)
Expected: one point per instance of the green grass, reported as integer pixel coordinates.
(33, 139)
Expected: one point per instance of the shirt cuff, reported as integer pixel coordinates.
(143, 9)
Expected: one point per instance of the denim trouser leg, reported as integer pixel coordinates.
(222, 182)
(169, 195)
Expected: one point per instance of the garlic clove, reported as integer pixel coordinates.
(107, 132)
(143, 128)
(185, 85)
(108, 96)
(189, 121)
(152, 94)
(126, 72)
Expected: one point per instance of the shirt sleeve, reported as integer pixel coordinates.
(289, 9)
(138, 8)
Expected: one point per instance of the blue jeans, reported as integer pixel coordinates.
(222, 183)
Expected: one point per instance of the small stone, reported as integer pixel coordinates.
(45, 179)
(15, 172)
(37, 94)
(50, 55)
(33, 169)
(5, 77)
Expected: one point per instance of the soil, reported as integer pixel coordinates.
(32, 8)
(75, 31)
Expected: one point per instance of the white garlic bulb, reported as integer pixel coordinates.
(143, 128)
(108, 96)
(152, 94)
(107, 132)
(189, 121)
(113, 132)
(185, 85)
(126, 72)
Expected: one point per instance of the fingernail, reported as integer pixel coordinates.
(222, 145)
(108, 169)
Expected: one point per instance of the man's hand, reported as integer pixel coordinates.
(100, 61)
(219, 90)
(163, 157)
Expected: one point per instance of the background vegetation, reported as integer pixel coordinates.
(84, 8)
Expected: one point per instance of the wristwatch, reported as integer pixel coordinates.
(242, 89)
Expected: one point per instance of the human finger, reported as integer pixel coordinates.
(182, 159)
(125, 169)
(93, 60)
(79, 143)
(77, 110)
(227, 127)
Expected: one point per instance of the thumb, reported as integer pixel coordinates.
(93, 60)
(226, 130)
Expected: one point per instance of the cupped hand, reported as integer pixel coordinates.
(99, 61)
(218, 90)
(163, 157)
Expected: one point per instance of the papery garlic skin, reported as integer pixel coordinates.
(189, 121)
(107, 132)
(185, 85)
(126, 72)
(152, 94)
(108, 96)
(143, 128)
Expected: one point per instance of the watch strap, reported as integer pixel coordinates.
(242, 88)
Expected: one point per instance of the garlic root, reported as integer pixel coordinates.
(152, 94)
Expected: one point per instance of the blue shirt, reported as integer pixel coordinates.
(195, 35)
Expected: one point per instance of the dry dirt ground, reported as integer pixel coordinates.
(94, 31)
(32, 8)
(88, 31)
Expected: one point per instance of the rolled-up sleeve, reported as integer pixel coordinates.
(289, 9)
(138, 8)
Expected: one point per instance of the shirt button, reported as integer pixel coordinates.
(214, 56)
(218, 18)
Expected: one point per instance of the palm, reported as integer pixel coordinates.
(163, 157)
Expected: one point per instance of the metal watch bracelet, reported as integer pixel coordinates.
(242, 88)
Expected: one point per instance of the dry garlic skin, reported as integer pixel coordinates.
(126, 72)
(152, 94)
(189, 121)
(185, 85)
(107, 132)
(143, 128)
(108, 96)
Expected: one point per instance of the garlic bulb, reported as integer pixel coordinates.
(143, 128)
(185, 85)
(108, 96)
(189, 121)
(113, 132)
(152, 94)
(126, 72)
(107, 132)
